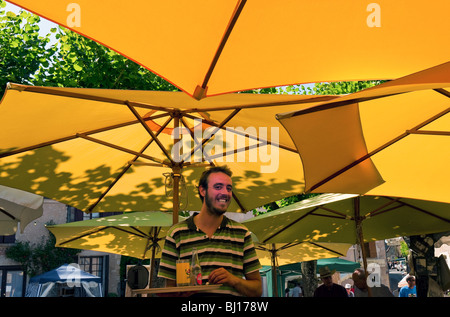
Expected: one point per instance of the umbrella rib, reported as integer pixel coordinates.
(290, 245)
(195, 141)
(208, 158)
(265, 104)
(428, 132)
(3, 211)
(347, 102)
(423, 211)
(147, 128)
(127, 167)
(72, 137)
(328, 249)
(382, 147)
(84, 235)
(333, 211)
(284, 147)
(225, 121)
(141, 234)
(37, 146)
(332, 105)
(442, 91)
(199, 91)
(72, 94)
(379, 210)
(120, 148)
(290, 225)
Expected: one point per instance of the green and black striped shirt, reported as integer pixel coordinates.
(231, 247)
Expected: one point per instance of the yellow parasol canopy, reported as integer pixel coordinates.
(391, 140)
(118, 150)
(212, 47)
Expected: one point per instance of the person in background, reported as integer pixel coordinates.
(410, 289)
(297, 291)
(362, 289)
(348, 288)
(328, 288)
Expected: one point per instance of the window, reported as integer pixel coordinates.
(8, 239)
(96, 265)
(12, 281)
(74, 214)
(92, 264)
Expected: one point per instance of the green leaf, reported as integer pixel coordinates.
(77, 67)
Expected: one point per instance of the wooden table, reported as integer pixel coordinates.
(177, 289)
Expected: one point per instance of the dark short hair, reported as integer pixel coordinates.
(203, 182)
(410, 278)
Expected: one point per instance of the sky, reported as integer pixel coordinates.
(45, 25)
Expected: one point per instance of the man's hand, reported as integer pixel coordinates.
(250, 286)
(222, 276)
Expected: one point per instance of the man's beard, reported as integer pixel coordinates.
(209, 203)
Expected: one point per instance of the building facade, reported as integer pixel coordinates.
(13, 280)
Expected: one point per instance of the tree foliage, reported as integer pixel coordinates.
(23, 51)
(70, 60)
(41, 257)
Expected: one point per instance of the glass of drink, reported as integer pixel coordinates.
(183, 272)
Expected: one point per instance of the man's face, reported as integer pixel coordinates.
(218, 194)
(411, 283)
(328, 281)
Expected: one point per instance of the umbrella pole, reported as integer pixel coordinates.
(155, 239)
(152, 265)
(176, 183)
(360, 236)
(176, 172)
(273, 253)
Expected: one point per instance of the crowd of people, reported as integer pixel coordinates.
(360, 288)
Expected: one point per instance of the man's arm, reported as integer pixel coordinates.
(251, 286)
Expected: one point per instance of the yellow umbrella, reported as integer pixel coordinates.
(117, 150)
(214, 47)
(390, 140)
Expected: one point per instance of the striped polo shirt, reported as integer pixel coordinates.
(230, 247)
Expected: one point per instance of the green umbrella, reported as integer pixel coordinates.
(135, 234)
(348, 218)
(338, 264)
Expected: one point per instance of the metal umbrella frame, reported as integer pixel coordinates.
(120, 146)
(229, 46)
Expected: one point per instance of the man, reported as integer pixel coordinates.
(297, 291)
(361, 289)
(328, 288)
(410, 289)
(348, 288)
(226, 251)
